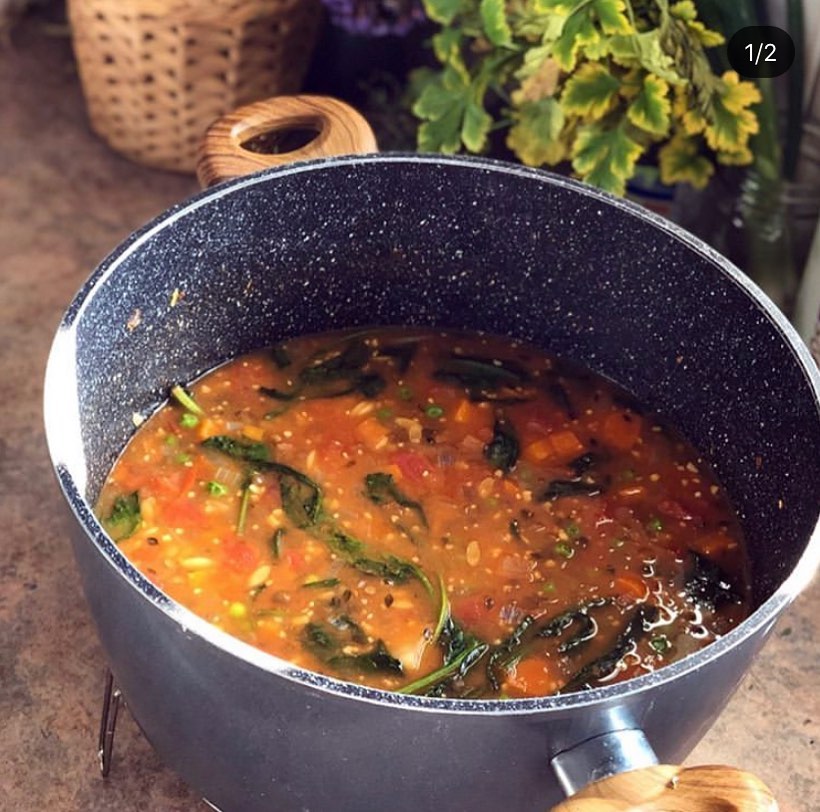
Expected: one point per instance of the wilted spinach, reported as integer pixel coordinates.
(381, 489)
(125, 516)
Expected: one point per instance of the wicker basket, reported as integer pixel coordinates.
(157, 73)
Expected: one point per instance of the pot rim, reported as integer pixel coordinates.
(62, 413)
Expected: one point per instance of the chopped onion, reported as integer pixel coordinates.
(229, 477)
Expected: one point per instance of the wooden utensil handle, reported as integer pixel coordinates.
(338, 128)
(671, 788)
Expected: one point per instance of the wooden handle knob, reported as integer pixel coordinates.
(338, 128)
(670, 788)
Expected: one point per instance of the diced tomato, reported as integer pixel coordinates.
(174, 483)
(295, 560)
(471, 609)
(531, 677)
(412, 466)
(239, 555)
(631, 585)
(182, 512)
(621, 430)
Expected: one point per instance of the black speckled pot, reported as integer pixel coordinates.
(391, 239)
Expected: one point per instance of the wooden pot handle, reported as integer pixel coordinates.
(671, 788)
(340, 130)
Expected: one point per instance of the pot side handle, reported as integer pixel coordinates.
(671, 788)
(338, 130)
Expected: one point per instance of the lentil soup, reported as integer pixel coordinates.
(435, 513)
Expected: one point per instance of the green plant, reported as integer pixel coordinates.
(597, 83)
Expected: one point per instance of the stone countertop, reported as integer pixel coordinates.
(65, 201)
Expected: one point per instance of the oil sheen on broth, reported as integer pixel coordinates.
(444, 514)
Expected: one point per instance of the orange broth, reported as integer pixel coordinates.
(443, 514)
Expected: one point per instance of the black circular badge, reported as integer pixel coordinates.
(761, 51)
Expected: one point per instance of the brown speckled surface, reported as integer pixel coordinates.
(65, 201)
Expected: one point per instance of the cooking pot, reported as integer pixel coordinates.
(451, 242)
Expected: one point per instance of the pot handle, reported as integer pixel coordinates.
(671, 788)
(337, 129)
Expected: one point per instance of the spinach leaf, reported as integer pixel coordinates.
(503, 450)
(345, 623)
(528, 631)
(585, 463)
(509, 651)
(324, 583)
(125, 516)
(275, 542)
(402, 354)
(301, 496)
(485, 378)
(323, 643)
(557, 391)
(462, 651)
(577, 615)
(244, 503)
(319, 640)
(707, 584)
(334, 373)
(238, 449)
(381, 489)
(568, 487)
(389, 568)
(592, 673)
(377, 660)
(337, 364)
(278, 394)
(280, 356)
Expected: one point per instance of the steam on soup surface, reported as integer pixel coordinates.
(443, 514)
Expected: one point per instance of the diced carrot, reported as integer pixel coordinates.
(565, 444)
(539, 450)
(631, 585)
(560, 445)
(372, 432)
(531, 677)
(207, 428)
(470, 414)
(621, 430)
(253, 432)
(714, 545)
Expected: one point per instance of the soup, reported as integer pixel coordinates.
(444, 514)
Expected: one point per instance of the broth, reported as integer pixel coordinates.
(445, 514)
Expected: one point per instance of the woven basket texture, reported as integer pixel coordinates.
(156, 74)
